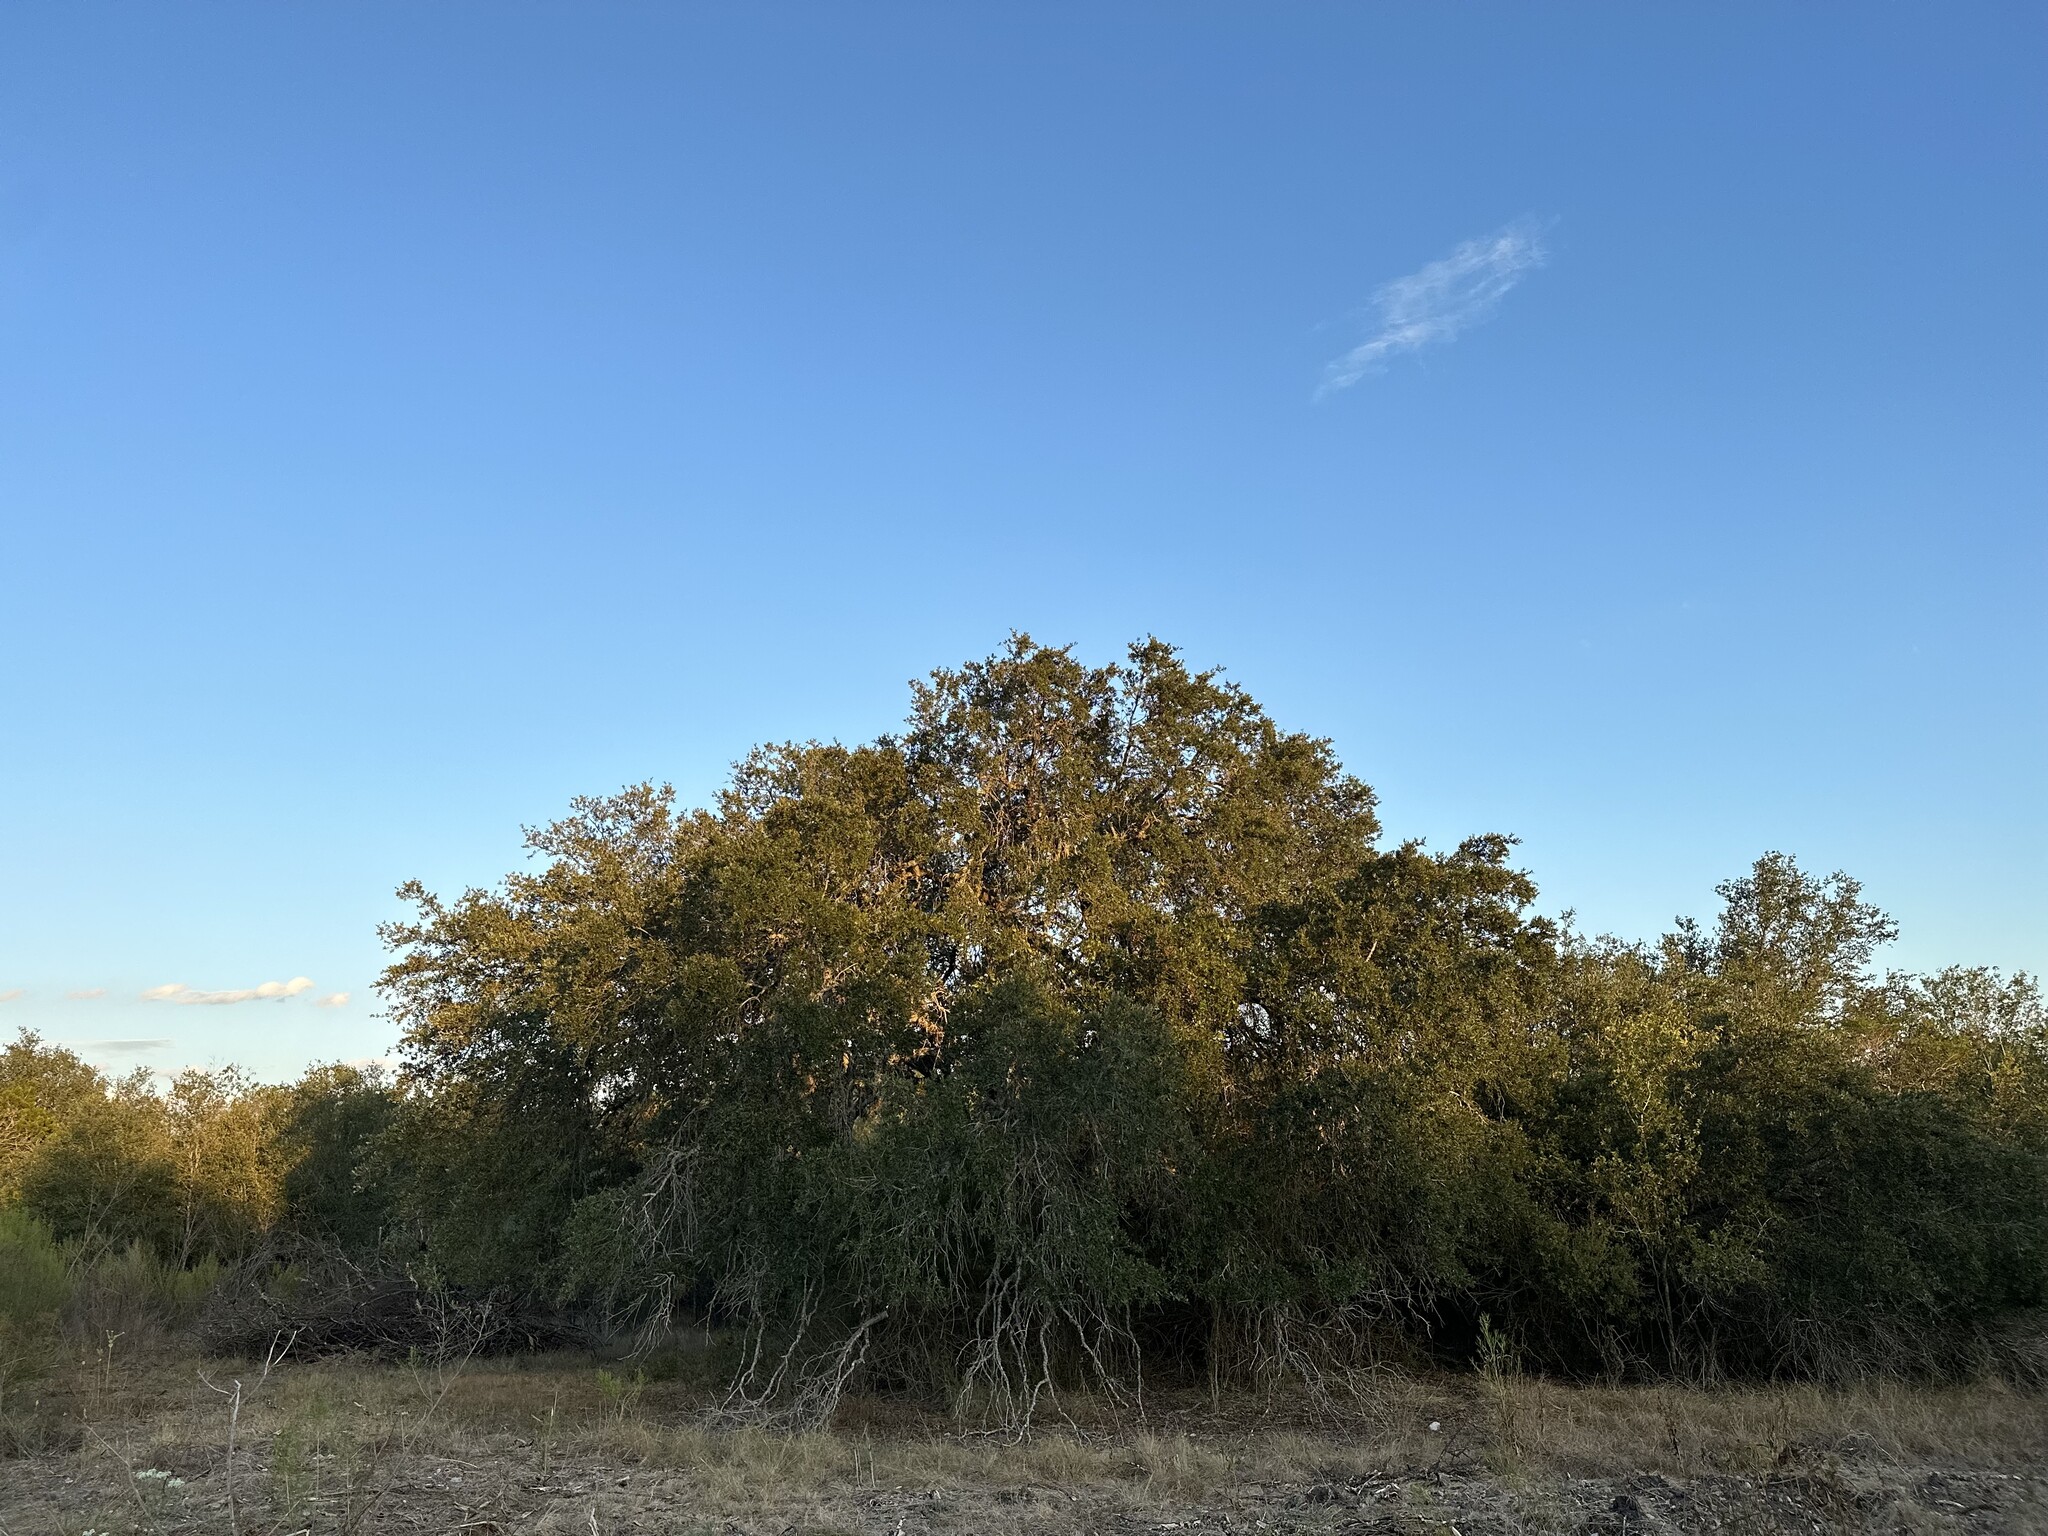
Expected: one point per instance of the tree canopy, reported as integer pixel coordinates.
(1088, 1025)
(1090, 1010)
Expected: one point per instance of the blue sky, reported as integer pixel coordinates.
(1620, 426)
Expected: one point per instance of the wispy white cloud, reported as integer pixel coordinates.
(83, 993)
(1439, 301)
(178, 992)
(332, 1000)
(126, 1047)
(12, 994)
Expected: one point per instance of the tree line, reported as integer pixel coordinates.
(1086, 1030)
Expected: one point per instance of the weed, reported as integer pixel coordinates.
(546, 1426)
(620, 1394)
(291, 1470)
(1499, 1378)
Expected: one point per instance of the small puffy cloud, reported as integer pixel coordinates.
(269, 991)
(83, 993)
(332, 1000)
(12, 993)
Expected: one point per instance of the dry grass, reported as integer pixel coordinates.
(569, 1444)
(1605, 1432)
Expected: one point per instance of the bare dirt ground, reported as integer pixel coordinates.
(565, 1445)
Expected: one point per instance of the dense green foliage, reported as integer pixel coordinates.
(1088, 1021)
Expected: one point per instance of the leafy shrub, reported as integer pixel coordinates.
(33, 1284)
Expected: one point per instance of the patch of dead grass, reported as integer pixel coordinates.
(1609, 1431)
(339, 1445)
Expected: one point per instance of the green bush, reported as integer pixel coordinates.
(34, 1290)
(33, 1283)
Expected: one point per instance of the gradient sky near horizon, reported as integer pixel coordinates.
(1621, 426)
